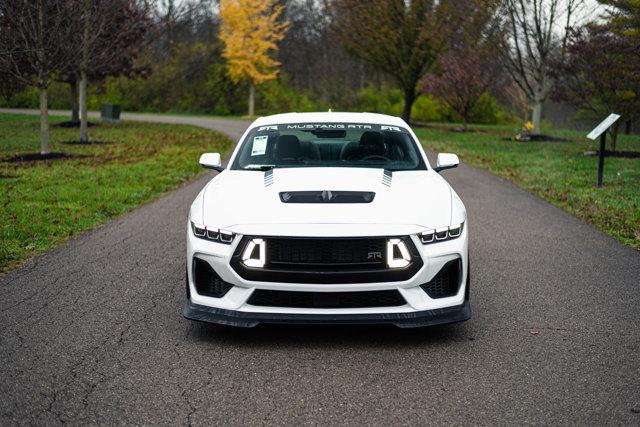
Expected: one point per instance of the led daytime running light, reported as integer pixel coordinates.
(441, 234)
(213, 234)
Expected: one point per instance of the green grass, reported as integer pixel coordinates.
(46, 202)
(559, 172)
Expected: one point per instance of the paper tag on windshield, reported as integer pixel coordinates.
(259, 145)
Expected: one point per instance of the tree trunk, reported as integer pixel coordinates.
(536, 117)
(464, 122)
(44, 121)
(627, 127)
(84, 134)
(73, 90)
(409, 99)
(614, 136)
(252, 95)
(43, 81)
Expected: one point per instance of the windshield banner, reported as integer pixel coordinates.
(329, 126)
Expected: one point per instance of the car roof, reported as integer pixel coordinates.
(330, 117)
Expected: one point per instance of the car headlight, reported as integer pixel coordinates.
(441, 234)
(213, 234)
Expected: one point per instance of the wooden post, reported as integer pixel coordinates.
(603, 139)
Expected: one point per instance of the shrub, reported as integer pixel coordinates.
(426, 109)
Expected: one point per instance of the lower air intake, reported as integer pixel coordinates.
(262, 297)
(207, 281)
(446, 283)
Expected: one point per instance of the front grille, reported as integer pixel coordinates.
(326, 254)
(326, 260)
(268, 298)
(446, 283)
(207, 281)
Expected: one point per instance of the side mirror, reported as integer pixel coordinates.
(446, 161)
(211, 161)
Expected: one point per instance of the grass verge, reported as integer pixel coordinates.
(46, 202)
(559, 172)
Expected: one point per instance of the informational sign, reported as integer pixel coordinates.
(603, 126)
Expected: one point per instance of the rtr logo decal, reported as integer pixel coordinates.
(396, 128)
(374, 255)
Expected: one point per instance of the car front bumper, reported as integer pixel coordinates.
(419, 309)
(414, 319)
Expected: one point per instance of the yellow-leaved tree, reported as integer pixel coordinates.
(250, 31)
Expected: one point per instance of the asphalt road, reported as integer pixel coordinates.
(91, 332)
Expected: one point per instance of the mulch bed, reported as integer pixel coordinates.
(539, 138)
(35, 157)
(621, 154)
(547, 138)
(73, 124)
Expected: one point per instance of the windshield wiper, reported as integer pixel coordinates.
(262, 168)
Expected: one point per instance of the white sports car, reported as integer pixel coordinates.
(328, 218)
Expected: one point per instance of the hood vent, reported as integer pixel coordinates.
(327, 196)
(386, 177)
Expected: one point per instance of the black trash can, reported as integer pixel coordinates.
(110, 113)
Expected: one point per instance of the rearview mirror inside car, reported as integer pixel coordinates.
(446, 161)
(211, 161)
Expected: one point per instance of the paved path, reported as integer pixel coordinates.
(91, 332)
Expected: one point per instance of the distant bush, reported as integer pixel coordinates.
(388, 100)
(378, 99)
(59, 98)
(194, 80)
(278, 96)
(426, 109)
(486, 111)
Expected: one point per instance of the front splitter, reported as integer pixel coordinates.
(245, 319)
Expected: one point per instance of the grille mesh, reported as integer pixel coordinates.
(328, 253)
(262, 297)
(446, 282)
(207, 281)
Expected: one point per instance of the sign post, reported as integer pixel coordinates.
(603, 140)
(601, 131)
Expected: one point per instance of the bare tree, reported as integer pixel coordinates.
(112, 35)
(600, 75)
(93, 19)
(312, 39)
(466, 77)
(537, 30)
(405, 38)
(33, 40)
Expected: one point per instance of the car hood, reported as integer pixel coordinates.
(238, 200)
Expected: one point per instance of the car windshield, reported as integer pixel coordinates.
(329, 145)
